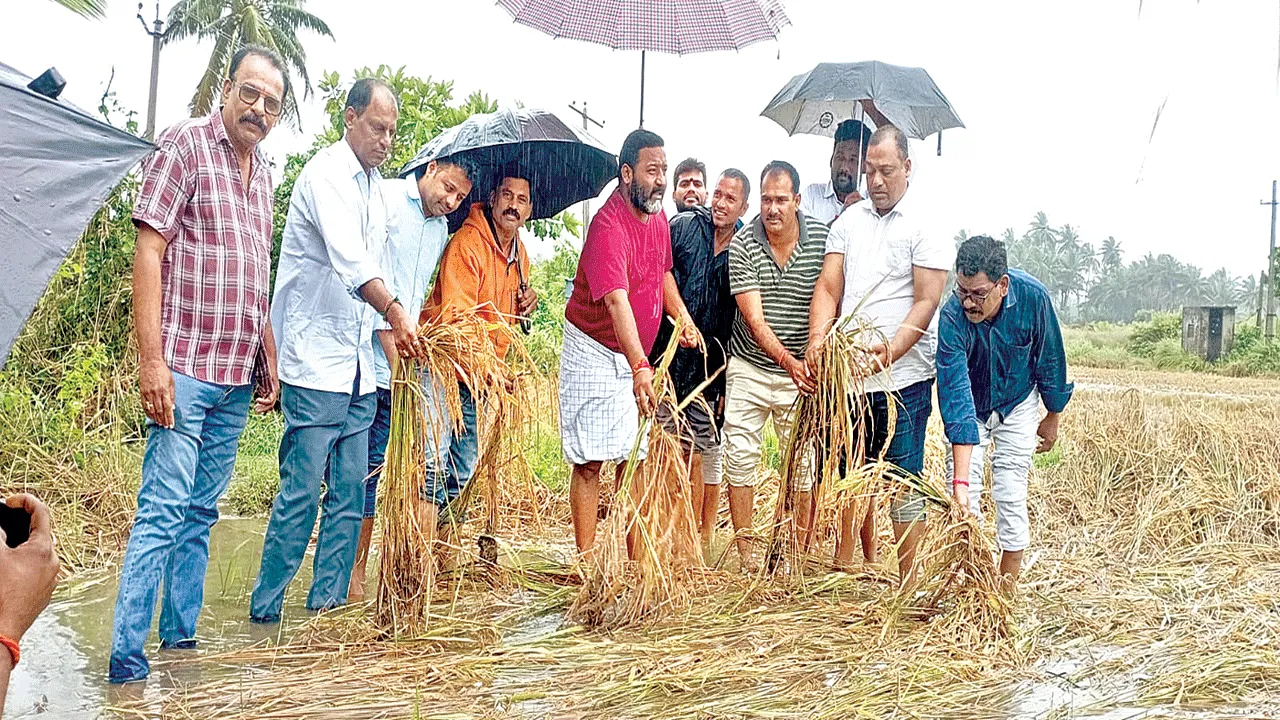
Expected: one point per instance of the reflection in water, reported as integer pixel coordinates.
(64, 660)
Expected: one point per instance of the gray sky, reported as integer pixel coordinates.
(1059, 98)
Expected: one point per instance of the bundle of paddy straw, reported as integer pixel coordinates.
(459, 348)
(646, 557)
(831, 429)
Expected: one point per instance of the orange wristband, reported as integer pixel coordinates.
(12, 645)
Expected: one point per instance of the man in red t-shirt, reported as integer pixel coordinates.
(623, 285)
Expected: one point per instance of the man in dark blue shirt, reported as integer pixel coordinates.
(700, 264)
(999, 356)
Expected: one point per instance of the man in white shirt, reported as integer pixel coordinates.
(330, 289)
(417, 231)
(880, 262)
(826, 200)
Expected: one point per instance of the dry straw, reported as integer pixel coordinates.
(424, 396)
(1151, 583)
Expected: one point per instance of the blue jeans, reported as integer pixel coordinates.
(378, 435)
(184, 472)
(322, 430)
(455, 460)
(906, 449)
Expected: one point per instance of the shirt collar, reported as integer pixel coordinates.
(829, 190)
(870, 207)
(413, 196)
(349, 159)
(219, 129)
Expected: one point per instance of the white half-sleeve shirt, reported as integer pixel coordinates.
(879, 253)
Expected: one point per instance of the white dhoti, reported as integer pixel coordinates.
(598, 415)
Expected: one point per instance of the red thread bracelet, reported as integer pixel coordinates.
(642, 365)
(960, 482)
(12, 645)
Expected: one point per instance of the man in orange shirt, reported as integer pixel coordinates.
(484, 267)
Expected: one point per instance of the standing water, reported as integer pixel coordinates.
(64, 661)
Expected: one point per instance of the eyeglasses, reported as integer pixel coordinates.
(978, 298)
(250, 94)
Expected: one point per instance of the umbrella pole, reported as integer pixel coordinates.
(641, 88)
(862, 152)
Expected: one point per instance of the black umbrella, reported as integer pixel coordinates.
(57, 166)
(563, 164)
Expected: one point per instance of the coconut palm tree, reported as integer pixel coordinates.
(96, 9)
(233, 23)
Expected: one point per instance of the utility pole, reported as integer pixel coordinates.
(157, 36)
(1271, 268)
(586, 204)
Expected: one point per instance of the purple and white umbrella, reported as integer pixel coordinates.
(669, 26)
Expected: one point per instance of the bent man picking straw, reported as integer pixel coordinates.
(623, 285)
(482, 269)
(999, 357)
(881, 263)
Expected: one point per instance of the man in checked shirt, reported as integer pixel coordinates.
(201, 278)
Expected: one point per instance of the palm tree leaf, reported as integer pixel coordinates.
(210, 86)
(96, 9)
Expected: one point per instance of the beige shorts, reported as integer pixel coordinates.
(752, 397)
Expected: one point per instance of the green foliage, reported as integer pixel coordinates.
(1146, 336)
(548, 279)
(1096, 284)
(231, 24)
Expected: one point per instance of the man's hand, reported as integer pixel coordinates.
(799, 372)
(813, 353)
(642, 386)
(404, 331)
(1047, 432)
(689, 335)
(852, 198)
(960, 491)
(881, 353)
(265, 402)
(527, 302)
(155, 381)
(29, 572)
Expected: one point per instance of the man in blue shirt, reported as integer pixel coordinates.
(999, 356)
(417, 230)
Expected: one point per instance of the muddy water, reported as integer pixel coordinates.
(64, 660)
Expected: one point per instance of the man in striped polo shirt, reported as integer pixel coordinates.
(774, 263)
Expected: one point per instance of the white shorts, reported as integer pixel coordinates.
(1015, 443)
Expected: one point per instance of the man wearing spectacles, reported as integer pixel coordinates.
(999, 357)
(201, 271)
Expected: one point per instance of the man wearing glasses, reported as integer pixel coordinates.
(999, 357)
(201, 275)
(484, 268)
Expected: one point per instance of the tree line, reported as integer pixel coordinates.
(1095, 283)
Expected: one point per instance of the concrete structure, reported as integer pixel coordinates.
(1208, 331)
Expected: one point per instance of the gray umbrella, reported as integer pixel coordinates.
(563, 164)
(57, 166)
(815, 102)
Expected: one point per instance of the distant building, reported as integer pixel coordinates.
(1208, 331)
